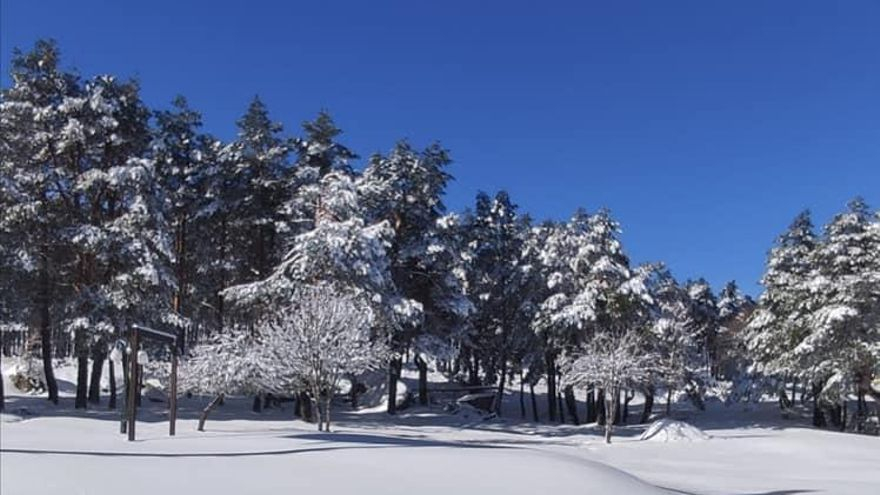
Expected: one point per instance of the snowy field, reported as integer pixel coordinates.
(422, 450)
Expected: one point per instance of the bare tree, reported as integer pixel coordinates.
(610, 361)
(321, 338)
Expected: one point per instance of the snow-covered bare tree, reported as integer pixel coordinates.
(232, 362)
(610, 360)
(320, 338)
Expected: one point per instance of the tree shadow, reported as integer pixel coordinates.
(27, 407)
(304, 450)
(391, 440)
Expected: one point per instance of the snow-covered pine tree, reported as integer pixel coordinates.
(734, 310)
(842, 346)
(33, 210)
(319, 149)
(115, 227)
(261, 179)
(705, 310)
(179, 152)
(596, 274)
(780, 320)
(673, 338)
(406, 190)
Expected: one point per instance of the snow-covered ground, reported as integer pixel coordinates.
(423, 450)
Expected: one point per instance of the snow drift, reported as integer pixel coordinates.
(670, 430)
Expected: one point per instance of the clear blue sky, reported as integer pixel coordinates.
(705, 126)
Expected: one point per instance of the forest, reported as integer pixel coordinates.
(288, 266)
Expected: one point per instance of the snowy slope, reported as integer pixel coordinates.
(87, 456)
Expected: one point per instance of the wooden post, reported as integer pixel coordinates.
(123, 412)
(172, 415)
(134, 382)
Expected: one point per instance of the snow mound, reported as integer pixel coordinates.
(670, 430)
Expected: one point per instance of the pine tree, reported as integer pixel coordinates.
(780, 320)
(843, 343)
(33, 208)
(405, 189)
(179, 152)
(261, 170)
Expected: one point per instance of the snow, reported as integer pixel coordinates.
(423, 450)
(670, 430)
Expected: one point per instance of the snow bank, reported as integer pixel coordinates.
(670, 430)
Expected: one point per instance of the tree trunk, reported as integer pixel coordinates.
(316, 406)
(43, 300)
(502, 382)
(534, 402)
(649, 405)
(571, 404)
(327, 411)
(617, 408)
(204, 416)
(304, 406)
(601, 407)
(140, 384)
(112, 372)
(2, 392)
(257, 405)
(551, 387)
(474, 371)
(610, 408)
(561, 408)
(591, 406)
(818, 415)
(522, 396)
(668, 401)
(423, 379)
(125, 394)
(394, 368)
(628, 396)
(98, 356)
(82, 374)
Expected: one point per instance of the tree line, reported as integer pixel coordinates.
(112, 213)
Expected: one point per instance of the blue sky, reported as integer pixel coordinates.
(704, 126)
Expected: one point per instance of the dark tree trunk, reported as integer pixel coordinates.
(304, 407)
(474, 371)
(818, 415)
(522, 396)
(591, 406)
(140, 385)
(628, 396)
(600, 406)
(2, 392)
(649, 405)
(257, 405)
(43, 300)
(98, 356)
(617, 408)
(502, 381)
(112, 372)
(668, 401)
(204, 416)
(571, 404)
(551, 387)
(560, 404)
(423, 379)
(82, 378)
(394, 368)
(534, 402)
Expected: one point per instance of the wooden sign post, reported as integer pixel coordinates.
(138, 331)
